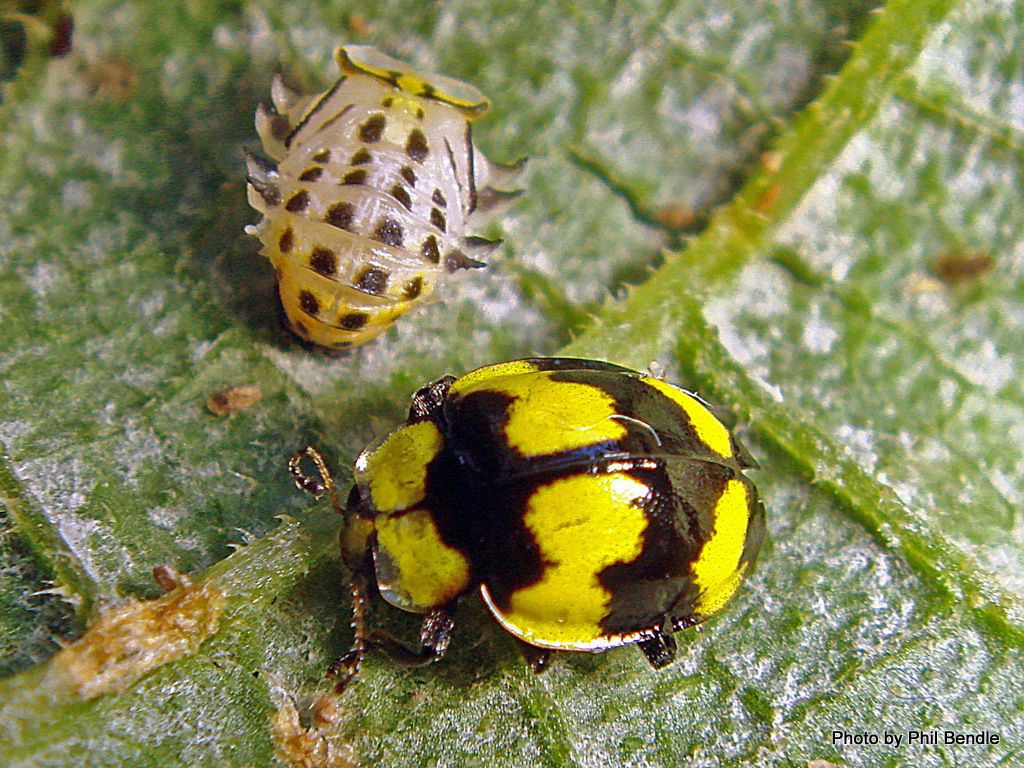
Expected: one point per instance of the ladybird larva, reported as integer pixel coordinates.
(370, 194)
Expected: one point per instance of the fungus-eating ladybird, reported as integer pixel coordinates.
(592, 506)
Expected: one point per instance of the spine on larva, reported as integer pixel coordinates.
(369, 193)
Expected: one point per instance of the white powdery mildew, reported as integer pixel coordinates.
(963, 58)
(818, 334)
(986, 367)
(860, 444)
(761, 294)
(14, 431)
(62, 488)
(167, 517)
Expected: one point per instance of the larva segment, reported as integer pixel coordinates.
(376, 183)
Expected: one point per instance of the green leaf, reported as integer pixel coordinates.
(808, 212)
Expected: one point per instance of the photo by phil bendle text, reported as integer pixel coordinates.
(916, 738)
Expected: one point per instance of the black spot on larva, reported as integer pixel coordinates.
(308, 303)
(361, 157)
(438, 198)
(353, 321)
(323, 261)
(311, 174)
(372, 280)
(388, 101)
(416, 146)
(355, 177)
(437, 219)
(456, 259)
(270, 192)
(430, 251)
(402, 195)
(389, 232)
(413, 289)
(280, 126)
(419, 113)
(409, 175)
(322, 156)
(429, 91)
(297, 202)
(372, 129)
(300, 329)
(286, 241)
(341, 215)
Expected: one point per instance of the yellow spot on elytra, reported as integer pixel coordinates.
(472, 379)
(582, 524)
(709, 429)
(548, 416)
(717, 571)
(416, 570)
(396, 470)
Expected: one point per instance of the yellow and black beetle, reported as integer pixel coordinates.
(591, 505)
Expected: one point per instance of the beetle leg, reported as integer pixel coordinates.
(353, 660)
(435, 633)
(660, 648)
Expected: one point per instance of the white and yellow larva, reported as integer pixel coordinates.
(375, 185)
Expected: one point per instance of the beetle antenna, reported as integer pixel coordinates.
(311, 485)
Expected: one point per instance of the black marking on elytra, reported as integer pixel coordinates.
(657, 582)
(323, 261)
(484, 521)
(389, 231)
